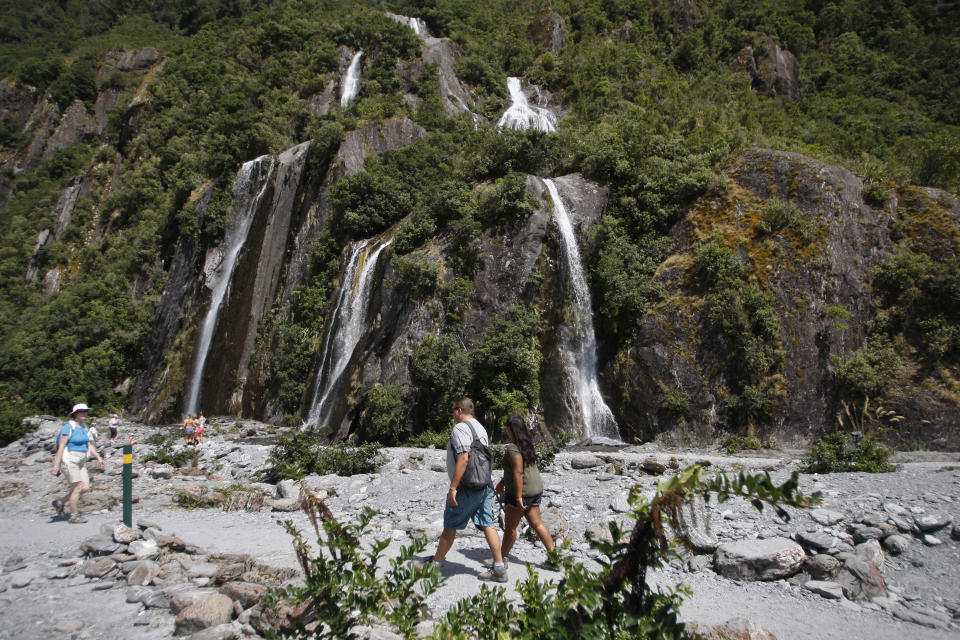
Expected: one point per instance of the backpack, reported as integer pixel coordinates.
(479, 472)
(56, 438)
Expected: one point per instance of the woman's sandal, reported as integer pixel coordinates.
(78, 519)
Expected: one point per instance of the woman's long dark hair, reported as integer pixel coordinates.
(522, 437)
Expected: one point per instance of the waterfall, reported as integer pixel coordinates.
(522, 115)
(348, 323)
(417, 24)
(579, 350)
(248, 188)
(351, 81)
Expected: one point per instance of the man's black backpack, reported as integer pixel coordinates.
(479, 473)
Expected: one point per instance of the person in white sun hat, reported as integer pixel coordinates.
(73, 446)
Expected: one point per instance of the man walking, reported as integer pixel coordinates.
(463, 503)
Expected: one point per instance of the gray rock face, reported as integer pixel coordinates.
(769, 559)
(775, 73)
(549, 29)
(832, 270)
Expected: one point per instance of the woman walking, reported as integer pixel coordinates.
(73, 446)
(522, 486)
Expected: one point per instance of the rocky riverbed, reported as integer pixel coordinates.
(879, 558)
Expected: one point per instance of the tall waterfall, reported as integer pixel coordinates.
(579, 349)
(347, 325)
(351, 81)
(522, 115)
(248, 189)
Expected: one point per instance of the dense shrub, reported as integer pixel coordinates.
(385, 416)
(838, 452)
(304, 453)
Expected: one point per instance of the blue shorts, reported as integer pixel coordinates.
(475, 504)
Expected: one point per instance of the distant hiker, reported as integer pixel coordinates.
(189, 430)
(201, 424)
(113, 426)
(73, 446)
(468, 467)
(521, 485)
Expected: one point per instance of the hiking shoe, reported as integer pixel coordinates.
(59, 506)
(488, 562)
(494, 574)
(422, 561)
(77, 519)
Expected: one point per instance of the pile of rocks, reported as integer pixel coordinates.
(213, 596)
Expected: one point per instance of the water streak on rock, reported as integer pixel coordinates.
(248, 189)
(522, 115)
(579, 343)
(351, 81)
(348, 324)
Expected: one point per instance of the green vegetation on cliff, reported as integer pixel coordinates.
(651, 106)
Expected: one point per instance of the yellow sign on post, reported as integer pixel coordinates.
(128, 485)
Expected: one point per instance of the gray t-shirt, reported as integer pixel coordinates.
(460, 441)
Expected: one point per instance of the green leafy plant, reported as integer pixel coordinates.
(305, 453)
(857, 443)
(782, 214)
(731, 443)
(165, 451)
(343, 586)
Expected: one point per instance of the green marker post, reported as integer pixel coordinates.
(128, 485)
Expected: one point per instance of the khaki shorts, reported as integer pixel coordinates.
(75, 466)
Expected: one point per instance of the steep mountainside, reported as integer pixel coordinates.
(632, 220)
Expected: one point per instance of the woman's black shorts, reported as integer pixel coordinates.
(528, 501)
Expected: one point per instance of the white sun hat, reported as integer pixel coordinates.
(79, 407)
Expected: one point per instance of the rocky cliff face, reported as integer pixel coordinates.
(831, 267)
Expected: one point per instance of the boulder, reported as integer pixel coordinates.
(99, 545)
(861, 580)
(832, 590)
(769, 559)
(930, 522)
(585, 462)
(872, 552)
(213, 610)
(822, 566)
(556, 523)
(896, 544)
(124, 534)
(816, 540)
(143, 549)
(246, 593)
(826, 517)
(734, 629)
(143, 573)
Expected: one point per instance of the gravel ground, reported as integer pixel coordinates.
(38, 599)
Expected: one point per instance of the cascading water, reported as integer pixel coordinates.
(248, 189)
(417, 24)
(580, 349)
(347, 325)
(522, 115)
(351, 81)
